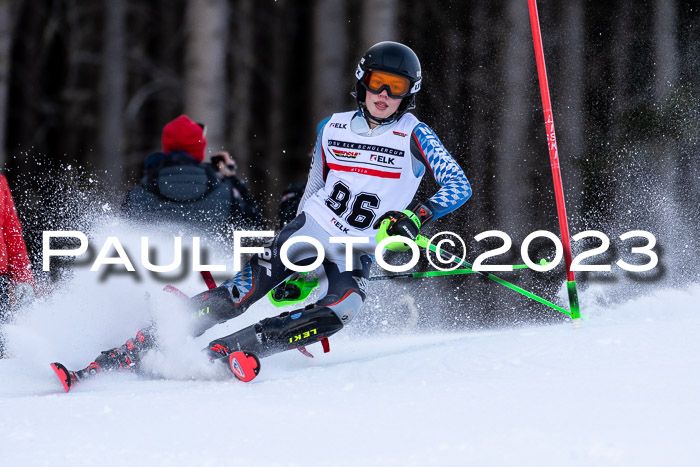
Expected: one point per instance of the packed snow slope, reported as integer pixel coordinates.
(623, 389)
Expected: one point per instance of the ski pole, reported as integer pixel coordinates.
(423, 242)
(298, 289)
(454, 272)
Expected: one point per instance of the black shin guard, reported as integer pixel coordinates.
(286, 331)
(212, 307)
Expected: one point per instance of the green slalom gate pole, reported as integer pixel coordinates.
(423, 242)
(554, 160)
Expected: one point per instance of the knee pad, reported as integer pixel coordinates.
(347, 308)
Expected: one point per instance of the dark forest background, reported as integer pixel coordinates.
(86, 87)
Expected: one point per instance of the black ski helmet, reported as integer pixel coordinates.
(395, 58)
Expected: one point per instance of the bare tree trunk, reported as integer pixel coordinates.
(665, 48)
(571, 109)
(113, 90)
(330, 62)
(6, 7)
(622, 57)
(379, 18)
(79, 118)
(169, 57)
(512, 170)
(205, 67)
(666, 66)
(275, 122)
(242, 74)
(480, 119)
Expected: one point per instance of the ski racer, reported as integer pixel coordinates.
(366, 168)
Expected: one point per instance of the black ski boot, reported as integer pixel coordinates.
(289, 330)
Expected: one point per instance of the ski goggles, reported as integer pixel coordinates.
(396, 86)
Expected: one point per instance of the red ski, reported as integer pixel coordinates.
(70, 378)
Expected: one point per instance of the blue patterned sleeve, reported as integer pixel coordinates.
(317, 173)
(454, 187)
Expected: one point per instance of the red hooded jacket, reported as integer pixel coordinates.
(14, 260)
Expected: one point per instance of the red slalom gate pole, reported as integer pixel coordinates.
(554, 159)
(208, 279)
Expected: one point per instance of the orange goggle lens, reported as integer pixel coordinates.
(396, 86)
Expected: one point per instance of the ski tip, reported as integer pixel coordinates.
(63, 375)
(244, 365)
